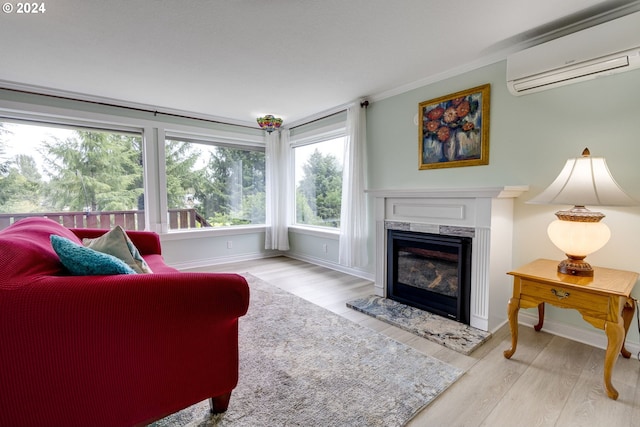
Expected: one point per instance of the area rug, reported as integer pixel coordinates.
(446, 332)
(302, 365)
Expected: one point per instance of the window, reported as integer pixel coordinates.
(318, 181)
(214, 184)
(81, 177)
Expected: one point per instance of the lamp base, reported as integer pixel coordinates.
(575, 266)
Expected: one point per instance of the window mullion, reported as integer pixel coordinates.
(155, 179)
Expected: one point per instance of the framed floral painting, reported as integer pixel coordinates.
(454, 129)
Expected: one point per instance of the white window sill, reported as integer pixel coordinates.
(212, 232)
(328, 233)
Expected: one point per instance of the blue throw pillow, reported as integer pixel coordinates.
(82, 261)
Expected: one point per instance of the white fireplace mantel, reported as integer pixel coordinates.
(486, 211)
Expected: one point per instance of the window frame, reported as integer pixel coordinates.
(214, 138)
(315, 136)
(80, 124)
(153, 137)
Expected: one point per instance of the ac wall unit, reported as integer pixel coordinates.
(602, 50)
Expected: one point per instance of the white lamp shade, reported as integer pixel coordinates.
(585, 181)
(578, 238)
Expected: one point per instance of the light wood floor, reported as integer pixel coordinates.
(550, 381)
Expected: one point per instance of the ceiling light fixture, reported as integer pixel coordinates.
(269, 123)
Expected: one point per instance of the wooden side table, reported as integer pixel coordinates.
(604, 301)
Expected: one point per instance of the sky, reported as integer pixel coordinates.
(25, 139)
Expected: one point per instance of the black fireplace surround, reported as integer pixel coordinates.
(431, 272)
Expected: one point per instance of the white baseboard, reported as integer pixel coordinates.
(199, 263)
(332, 265)
(595, 337)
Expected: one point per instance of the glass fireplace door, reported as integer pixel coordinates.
(430, 272)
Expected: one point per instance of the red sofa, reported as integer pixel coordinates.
(114, 350)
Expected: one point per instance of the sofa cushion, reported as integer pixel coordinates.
(83, 261)
(26, 252)
(116, 242)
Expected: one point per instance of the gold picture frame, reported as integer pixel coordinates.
(454, 129)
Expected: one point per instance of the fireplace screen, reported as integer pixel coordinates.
(430, 272)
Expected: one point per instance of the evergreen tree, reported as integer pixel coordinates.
(103, 171)
(320, 190)
(20, 181)
(21, 187)
(4, 163)
(182, 177)
(96, 170)
(234, 185)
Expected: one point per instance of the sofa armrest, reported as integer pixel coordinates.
(147, 242)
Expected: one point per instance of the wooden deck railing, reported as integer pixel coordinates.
(129, 220)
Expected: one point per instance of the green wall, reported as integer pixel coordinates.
(531, 137)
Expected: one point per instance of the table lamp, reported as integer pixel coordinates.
(578, 231)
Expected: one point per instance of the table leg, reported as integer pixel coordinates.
(512, 310)
(615, 337)
(627, 316)
(540, 317)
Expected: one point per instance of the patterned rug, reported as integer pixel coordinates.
(302, 365)
(446, 332)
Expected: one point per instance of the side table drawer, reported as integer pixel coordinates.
(564, 297)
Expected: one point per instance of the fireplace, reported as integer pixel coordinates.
(483, 215)
(431, 272)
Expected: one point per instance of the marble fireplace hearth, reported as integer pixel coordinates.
(485, 214)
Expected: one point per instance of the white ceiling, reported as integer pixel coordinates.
(238, 59)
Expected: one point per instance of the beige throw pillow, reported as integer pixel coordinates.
(116, 242)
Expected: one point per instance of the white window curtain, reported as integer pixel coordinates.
(277, 210)
(352, 250)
